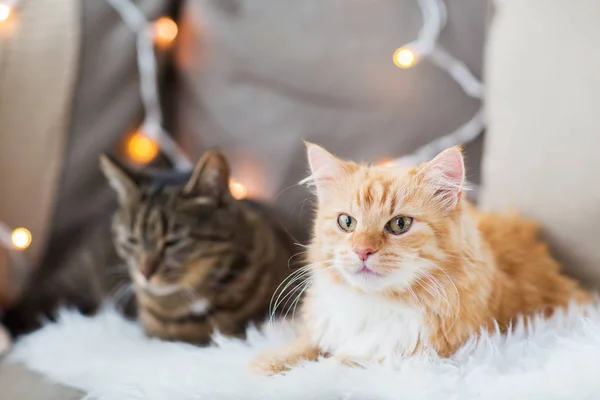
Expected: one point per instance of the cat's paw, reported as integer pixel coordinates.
(268, 365)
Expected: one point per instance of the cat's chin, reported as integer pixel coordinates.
(370, 281)
(366, 279)
(155, 288)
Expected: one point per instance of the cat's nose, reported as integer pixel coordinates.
(148, 268)
(364, 252)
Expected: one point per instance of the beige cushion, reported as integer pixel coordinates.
(38, 54)
(258, 76)
(543, 143)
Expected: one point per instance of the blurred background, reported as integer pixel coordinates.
(257, 77)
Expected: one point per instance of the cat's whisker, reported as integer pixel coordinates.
(425, 285)
(293, 295)
(312, 249)
(419, 304)
(305, 285)
(437, 285)
(291, 279)
(287, 278)
(283, 191)
(294, 256)
(300, 279)
(310, 198)
(122, 295)
(457, 308)
(301, 204)
(298, 297)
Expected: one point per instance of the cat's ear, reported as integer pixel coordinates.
(324, 166)
(119, 177)
(210, 179)
(446, 174)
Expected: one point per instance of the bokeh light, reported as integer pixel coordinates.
(404, 57)
(140, 149)
(165, 32)
(386, 162)
(4, 12)
(20, 238)
(238, 190)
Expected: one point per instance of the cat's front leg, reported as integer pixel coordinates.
(277, 361)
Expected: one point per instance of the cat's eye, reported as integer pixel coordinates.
(399, 225)
(346, 222)
(132, 241)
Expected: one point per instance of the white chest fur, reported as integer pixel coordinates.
(364, 326)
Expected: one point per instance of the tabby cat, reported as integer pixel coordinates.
(401, 264)
(200, 260)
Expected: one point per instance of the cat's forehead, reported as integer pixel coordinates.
(381, 190)
(159, 194)
(152, 200)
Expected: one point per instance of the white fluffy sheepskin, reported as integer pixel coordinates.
(111, 359)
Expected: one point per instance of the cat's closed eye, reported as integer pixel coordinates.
(172, 242)
(132, 241)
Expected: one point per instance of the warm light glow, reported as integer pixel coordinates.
(165, 32)
(404, 57)
(386, 162)
(238, 190)
(141, 149)
(21, 238)
(4, 12)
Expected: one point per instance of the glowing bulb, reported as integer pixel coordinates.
(404, 57)
(20, 238)
(238, 190)
(165, 32)
(4, 12)
(141, 149)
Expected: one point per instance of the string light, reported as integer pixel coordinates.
(147, 34)
(20, 238)
(404, 57)
(426, 46)
(140, 149)
(165, 32)
(238, 190)
(5, 11)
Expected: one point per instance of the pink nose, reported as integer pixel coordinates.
(363, 252)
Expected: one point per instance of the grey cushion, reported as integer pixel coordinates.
(106, 105)
(258, 76)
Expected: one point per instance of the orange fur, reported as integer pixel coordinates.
(462, 269)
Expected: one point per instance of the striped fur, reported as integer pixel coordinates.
(200, 261)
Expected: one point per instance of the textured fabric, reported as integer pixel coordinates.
(549, 359)
(541, 151)
(38, 63)
(258, 76)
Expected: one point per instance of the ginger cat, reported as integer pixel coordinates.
(401, 264)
